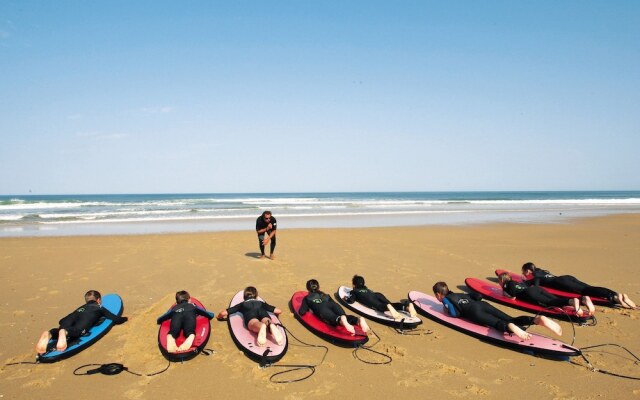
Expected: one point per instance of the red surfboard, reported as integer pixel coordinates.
(335, 334)
(494, 292)
(203, 330)
(560, 293)
(430, 307)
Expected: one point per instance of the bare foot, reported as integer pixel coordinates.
(586, 300)
(261, 256)
(188, 342)
(412, 310)
(41, 346)
(171, 344)
(62, 340)
(518, 332)
(628, 301)
(347, 325)
(550, 324)
(272, 256)
(277, 335)
(363, 325)
(394, 313)
(262, 335)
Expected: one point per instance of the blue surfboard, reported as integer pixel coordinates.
(111, 302)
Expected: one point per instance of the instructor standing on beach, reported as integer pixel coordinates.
(266, 226)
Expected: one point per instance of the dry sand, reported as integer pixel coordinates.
(45, 278)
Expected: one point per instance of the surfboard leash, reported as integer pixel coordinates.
(294, 367)
(387, 358)
(602, 371)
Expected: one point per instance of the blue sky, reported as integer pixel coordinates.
(284, 96)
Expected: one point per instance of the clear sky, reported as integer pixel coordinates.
(289, 96)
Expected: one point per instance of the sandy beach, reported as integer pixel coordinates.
(44, 278)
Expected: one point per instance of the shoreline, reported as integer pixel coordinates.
(48, 275)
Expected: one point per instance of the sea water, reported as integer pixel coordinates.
(54, 215)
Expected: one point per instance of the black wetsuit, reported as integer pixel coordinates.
(482, 313)
(324, 308)
(251, 309)
(183, 318)
(84, 317)
(533, 294)
(261, 224)
(571, 284)
(371, 299)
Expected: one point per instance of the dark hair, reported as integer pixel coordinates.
(265, 213)
(250, 293)
(357, 281)
(92, 295)
(441, 288)
(313, 286)
(182, 296)
(528, 267)
(504, 278)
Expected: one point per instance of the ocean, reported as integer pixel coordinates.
(62, 215)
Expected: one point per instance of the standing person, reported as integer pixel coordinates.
(266, 226)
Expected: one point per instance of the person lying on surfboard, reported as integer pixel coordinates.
(472, 308)
(538, 295)
(376, 300)
(78, 322)
(568, 283)
(183, 318)
(256, 316)
(328, 310)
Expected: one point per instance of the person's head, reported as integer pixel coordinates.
(182, 296)
(250, 293)
(440, 290)
(92, 295)
(357, 281)
(528, 268)
(266, 216)
(313, 286)
(504, 278)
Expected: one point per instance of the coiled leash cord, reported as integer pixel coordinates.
(294, 367)
(602, 371)
(387, 357)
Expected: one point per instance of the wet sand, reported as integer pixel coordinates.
(45, 278)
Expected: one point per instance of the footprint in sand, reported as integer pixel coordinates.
(54, 292)
(19, 313)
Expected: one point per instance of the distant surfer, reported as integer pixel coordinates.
(527, 292)
(183, 318)
(472, 308)
(328, 310)
(78, 322)
(568, 283)
(256, 316)
(266, 226)
(376, 300)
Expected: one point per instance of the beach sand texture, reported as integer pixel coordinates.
(45, 278)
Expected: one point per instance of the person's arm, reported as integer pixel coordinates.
(108, 314)
(204, 313)
(449, 308)
(350, 298)
(164, 317)
(303, 307)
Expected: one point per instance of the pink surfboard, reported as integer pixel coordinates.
(335, 334)
(247, 340)
(430, 307)
(494, 292)
(560, 293)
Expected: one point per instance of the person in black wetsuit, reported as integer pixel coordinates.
(266, 226)
(375, 300)
(568, 283)
(78, 322)
(472, 308)
(256, 317)
(539, 296)
(183, 318)
(323, 307)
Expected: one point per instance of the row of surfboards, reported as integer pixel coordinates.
(425, 304)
